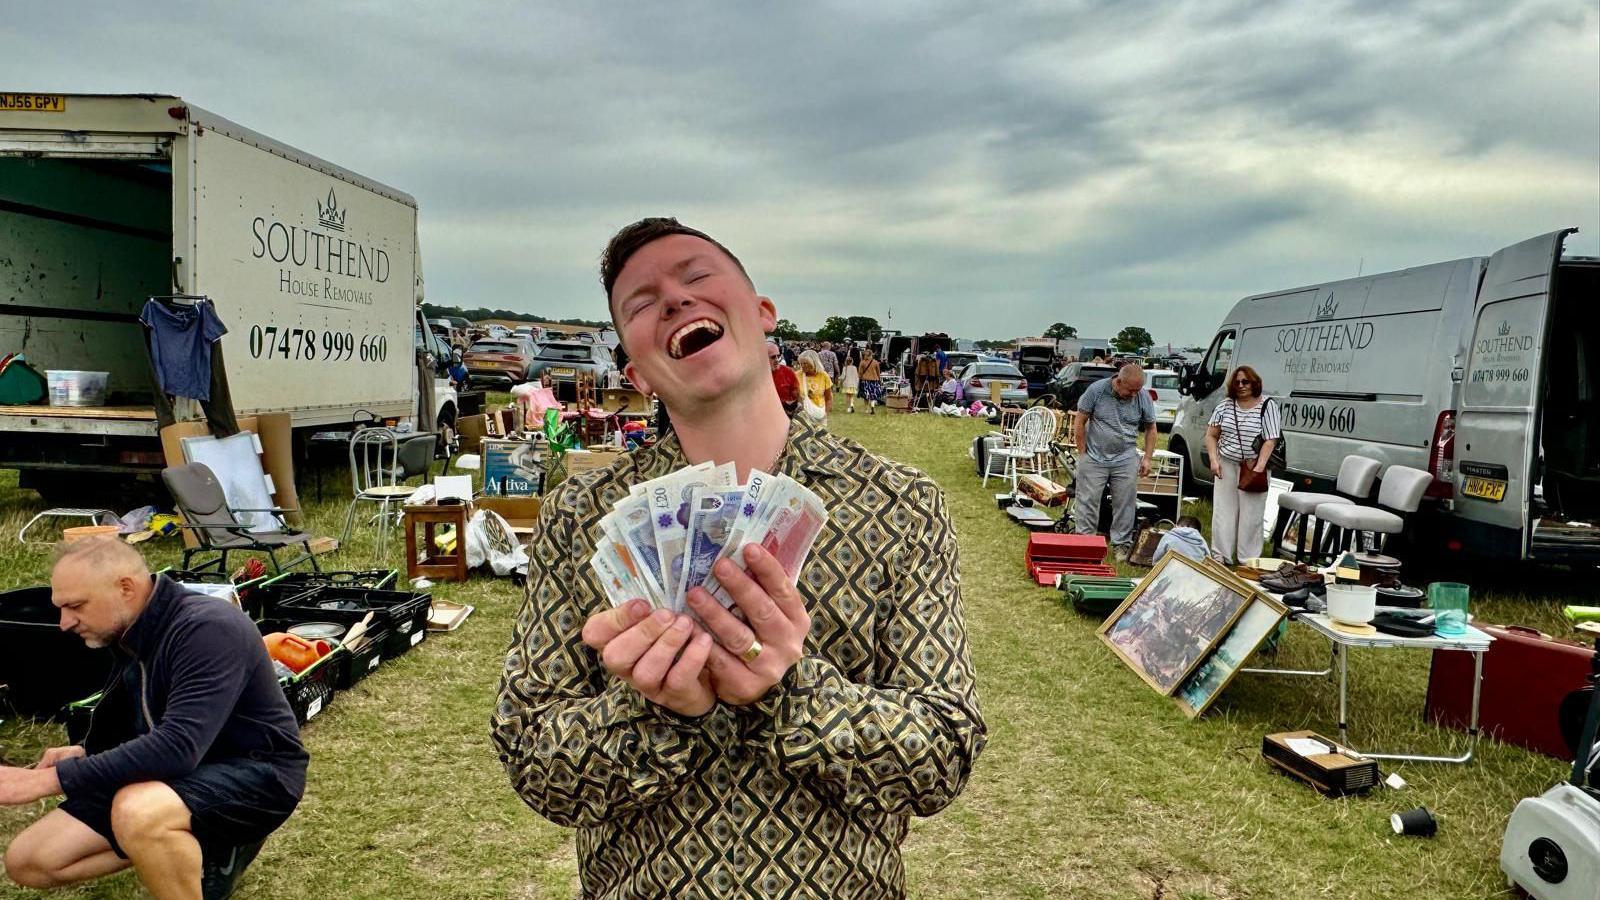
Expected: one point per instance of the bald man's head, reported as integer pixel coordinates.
(101, 585)
(1128, 380)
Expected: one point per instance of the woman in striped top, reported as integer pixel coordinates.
(1236, 515)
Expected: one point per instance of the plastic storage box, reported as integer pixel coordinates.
(44, 667)
(70, 387)
(402, 613)
(262, 599)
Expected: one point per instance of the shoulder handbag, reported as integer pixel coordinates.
(1279, 460)
(1250, 481)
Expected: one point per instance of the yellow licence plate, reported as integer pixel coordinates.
(1492, 489)
(32, 103)
(568, 373)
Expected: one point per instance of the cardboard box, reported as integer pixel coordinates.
(277, 457)
(624, 399)
(521, 513)
(472, 430)
(895, 401)
(596, 458)
(512, 468)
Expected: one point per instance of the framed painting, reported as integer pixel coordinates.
(1173, 619)
(1258, 621)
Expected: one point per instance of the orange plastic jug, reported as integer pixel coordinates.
(295, 652)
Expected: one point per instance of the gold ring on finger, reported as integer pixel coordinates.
(750, 655)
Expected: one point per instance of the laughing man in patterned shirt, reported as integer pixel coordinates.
(779, 759)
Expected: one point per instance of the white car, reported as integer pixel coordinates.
(1163, 387)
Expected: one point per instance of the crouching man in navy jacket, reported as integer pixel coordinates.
(192, 757)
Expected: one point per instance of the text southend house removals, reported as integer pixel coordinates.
(325, 253)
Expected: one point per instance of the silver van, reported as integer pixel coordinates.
(1482, 371)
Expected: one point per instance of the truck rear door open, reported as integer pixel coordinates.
(1497, 426)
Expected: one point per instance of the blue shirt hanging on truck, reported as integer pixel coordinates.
(181, 335)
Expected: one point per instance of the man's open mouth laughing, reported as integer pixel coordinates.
(692, 338)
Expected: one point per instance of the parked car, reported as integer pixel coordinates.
(1163, 387)
(977, 378)
(565, 360)
(496, 331)
(1073, 379)
(958, 360)
(506, 360)
(1036, 359)
(454, 337)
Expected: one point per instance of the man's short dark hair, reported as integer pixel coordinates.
(1189, 522)
(625, 243)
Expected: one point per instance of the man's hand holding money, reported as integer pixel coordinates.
(777, 619)
(639, 646)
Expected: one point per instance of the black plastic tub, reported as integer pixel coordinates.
(402, 613)
(262, 599)
(43, 667)
(356, 665)
(311, 691)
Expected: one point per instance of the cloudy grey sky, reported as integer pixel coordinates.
(980, 168)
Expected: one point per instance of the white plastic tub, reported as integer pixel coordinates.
(72, 387)
(1352, 604)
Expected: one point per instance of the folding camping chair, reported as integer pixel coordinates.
(206, 514)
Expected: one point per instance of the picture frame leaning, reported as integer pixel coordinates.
(1173, 619)
(1209, 679)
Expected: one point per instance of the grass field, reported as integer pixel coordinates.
(1092, 785)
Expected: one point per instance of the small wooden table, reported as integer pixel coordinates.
(430, 562)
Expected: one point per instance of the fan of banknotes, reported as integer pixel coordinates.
(664, 538)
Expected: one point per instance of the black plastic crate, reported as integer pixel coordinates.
(43, 667)
(241, 589)
(402, 613)
(353, 666)
(262, 599)
(311, 691)
(358, 664)
(77, 717)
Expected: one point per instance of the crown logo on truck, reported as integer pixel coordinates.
(1327, 308)
(1505, 328)
(331, 216)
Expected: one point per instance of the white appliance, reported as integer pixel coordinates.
(1552, 845)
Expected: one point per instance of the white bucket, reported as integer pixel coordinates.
(1352, 604)
(70, 387)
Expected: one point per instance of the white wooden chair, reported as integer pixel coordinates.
(1025, 446)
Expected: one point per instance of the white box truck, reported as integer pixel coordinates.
(106, 201)
(1483, 371)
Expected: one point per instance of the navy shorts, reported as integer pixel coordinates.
(232, 802)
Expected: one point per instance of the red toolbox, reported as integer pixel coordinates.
(1045, 573)
(1051, 554)
(1526, 674)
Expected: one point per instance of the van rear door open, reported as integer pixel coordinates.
(1497, 424)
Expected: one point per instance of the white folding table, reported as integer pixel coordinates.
(1474, 641)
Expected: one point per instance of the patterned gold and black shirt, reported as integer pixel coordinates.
(806, 793)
